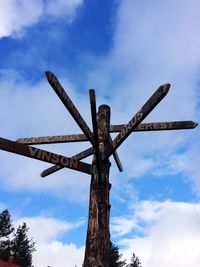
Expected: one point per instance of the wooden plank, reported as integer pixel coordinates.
(160, 93)
(117, 161)
(95, 132)
(84, 154)
(116, 157)
(53, 139)
(43, 155)
(153, 126)
(157, 126)
(59, 90)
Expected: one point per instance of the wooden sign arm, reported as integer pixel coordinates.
(154, 126)
(58, 139)
(43, 155)
(53, 139)
(157, 126)
(117, 161)
(116, 158)
(59, 90)
(153, 101)
(84, 154)
(95, 132)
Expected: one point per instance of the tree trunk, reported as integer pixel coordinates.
(98, 232)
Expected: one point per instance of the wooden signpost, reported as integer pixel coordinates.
(98, 232)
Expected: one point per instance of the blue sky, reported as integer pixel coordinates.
(125, 50)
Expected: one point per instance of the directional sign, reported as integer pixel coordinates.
(160, 93)
(59, 90)
(95, 132)
(157, 126)
(117, 161)
(84, 154)
(153, 126)
(43, 155)
(53, 139)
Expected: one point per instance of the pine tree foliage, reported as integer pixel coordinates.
(6, 229)
(5, 249)
(115, 257)
(135, 262)
(18, 245)
(23, 247)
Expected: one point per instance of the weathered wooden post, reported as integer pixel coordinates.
(98, 232)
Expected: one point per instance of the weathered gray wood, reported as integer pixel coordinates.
(53, 139)
(95, 132)
(43, 155)
(84, 154)
(153, 126)
(160, 93)
(98, 231)
(117, 161)
(59, 90)
(157, 126)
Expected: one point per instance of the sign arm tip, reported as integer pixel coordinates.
(195, 124)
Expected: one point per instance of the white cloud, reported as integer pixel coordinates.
(50, 252)
(2, 207)
(18, 15)
(121, 226)
(58, 254)
(62, 7)
(36, 111)
(140, 49)
(44, 229)
(155, 43)
(150, 48)
(15, 15)
(142, 57)
(171, 235)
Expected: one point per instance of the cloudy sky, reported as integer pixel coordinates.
(125, 50)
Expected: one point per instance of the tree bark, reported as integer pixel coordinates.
(98, 232)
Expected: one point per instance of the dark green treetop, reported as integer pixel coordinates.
(15, 244)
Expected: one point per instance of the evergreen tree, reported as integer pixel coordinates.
(17, 245)
(115, 257)
(6, 229)
(134, 262)
(5, 224)
(5, 249)
(23, 247)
